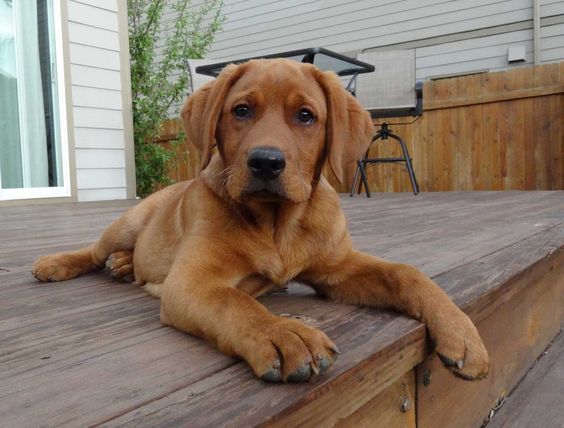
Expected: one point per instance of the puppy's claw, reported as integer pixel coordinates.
(446, 360)
(465, 376)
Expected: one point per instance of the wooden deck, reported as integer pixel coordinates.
(91, 351)
(537, 401)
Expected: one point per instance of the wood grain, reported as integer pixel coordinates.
(97, 350)
(515, 333)
(393, 407)
(537, 400)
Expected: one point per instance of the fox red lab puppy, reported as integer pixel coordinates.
(259, 215)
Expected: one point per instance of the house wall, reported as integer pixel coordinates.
(101, 99)
(552, 42)
(450, 37)
(488, 53)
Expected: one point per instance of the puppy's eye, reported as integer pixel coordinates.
(305, 117)
(242, 111)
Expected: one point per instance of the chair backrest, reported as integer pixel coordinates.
(390, 89)
(196, 79)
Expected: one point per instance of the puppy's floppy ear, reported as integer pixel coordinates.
(349, 126)
(202, 110)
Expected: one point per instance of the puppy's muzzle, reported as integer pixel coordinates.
(266, 163)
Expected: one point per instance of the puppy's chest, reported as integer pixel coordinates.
(284, 257)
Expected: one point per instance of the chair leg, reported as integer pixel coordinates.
(408, 164)
(363, 176)
(359, 169)
(355, 180)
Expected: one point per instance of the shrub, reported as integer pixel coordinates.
(159, 73)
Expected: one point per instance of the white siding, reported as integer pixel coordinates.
(93, 57)
(97, 99)
(102, 4)
(551, 8)
(100, 158)
(256, 27)
(101, 178)
(104, 194)
(90, 35)
(552, 36)
(93, 138)
(483, 53)
(552, 43)
(84, 96)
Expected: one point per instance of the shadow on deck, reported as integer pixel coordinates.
(91, 351)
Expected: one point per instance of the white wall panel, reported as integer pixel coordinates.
(93, 16)
(94, 57)
(100, 178)
(84, 96)
(551, 8)
(552, 43)
(87, 117)
(95, 77)
(98, 138)
(98, 109)
(100, 158)
(102, 194)
(266, 26)
(92, 36)
(102, 4)
(483, 53)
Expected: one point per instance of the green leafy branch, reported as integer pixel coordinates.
(159, 73)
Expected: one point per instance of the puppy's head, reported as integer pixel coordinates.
(275, 123)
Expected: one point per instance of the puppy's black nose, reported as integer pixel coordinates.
(266, 162)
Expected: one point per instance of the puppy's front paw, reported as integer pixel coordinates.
(459, 346)
(57, 267)
(290, 351)
(120, 266)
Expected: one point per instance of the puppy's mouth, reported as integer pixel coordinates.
(265, 190)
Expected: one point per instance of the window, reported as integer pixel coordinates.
(33, 144)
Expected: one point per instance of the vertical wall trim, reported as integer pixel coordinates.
(69, 104)
(126, 100)
(536, 32)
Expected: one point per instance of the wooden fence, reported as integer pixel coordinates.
(490, 131)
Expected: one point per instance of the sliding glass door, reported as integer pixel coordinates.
(33, 157)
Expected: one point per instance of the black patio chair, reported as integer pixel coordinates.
(390, 91)
(197, 79)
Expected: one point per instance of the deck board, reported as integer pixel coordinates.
(537, 400)
(89, 350)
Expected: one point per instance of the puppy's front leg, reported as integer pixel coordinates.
(199, 297)
(362, 279)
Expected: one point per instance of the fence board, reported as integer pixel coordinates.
(492, 131)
